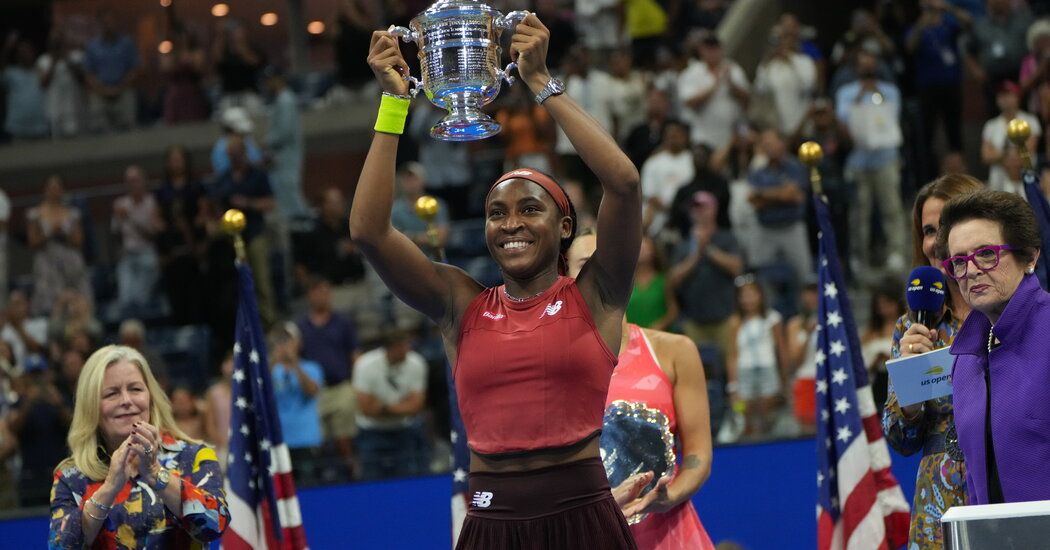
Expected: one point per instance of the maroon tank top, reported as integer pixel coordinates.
(533, 374)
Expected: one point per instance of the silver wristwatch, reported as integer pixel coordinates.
(552, 88)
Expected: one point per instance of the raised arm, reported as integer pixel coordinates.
(428, 287)
(609, 273)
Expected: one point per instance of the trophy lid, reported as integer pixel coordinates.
(444, 9)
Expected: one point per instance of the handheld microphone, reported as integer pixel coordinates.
(927, 290)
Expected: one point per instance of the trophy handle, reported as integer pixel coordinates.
(505, 73)
(512, 19)
(408, 35)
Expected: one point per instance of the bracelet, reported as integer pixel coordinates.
(393, 110)
(99, 505)
(93, 516)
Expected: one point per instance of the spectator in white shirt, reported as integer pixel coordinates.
(136, 221)
(628, 93)
(391, 383)
(870, 109)
(994, 141)
(61, 73)
(664, 173)
(598, 23)
(789, 78)
(26, 335)
(714, 92)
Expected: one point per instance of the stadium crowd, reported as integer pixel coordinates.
(728, 258)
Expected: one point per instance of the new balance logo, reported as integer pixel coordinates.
(482, 499)
(551, 309)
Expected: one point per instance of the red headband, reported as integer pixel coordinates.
(552, 189)
(541, 179)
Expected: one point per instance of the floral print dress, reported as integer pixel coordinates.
(941, 480)
(139, 518)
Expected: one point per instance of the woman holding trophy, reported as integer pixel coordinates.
(657, 404)
(533, 357)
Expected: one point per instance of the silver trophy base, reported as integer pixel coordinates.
(465, 120)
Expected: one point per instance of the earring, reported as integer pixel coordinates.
(1030, 270)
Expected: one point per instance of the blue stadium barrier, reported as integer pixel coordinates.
(759, 495)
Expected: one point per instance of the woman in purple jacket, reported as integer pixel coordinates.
(1001, 377)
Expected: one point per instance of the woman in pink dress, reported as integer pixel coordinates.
(661, 372)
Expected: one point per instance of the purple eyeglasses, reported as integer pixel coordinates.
(985, 258)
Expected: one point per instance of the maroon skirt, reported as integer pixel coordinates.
(563, 507)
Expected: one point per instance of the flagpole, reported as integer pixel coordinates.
(259, 482)
(233, 223)
(810, 153)
(860, 505)
(427, 209)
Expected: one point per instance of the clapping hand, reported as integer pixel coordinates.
(144, 443)
(122, 467)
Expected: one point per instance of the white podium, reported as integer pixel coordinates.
(1017, 525)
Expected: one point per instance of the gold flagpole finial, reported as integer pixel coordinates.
(810, 153)
(1018, 131)
(233, 222)
(427, 208)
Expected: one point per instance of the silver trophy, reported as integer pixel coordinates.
(459, 54)
(636, 439)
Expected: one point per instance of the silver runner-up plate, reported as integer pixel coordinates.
(636, 439)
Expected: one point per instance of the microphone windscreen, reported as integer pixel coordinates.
(927, 289)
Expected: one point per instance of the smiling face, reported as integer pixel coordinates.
(986, 291)
(524, 228)
(125, 400)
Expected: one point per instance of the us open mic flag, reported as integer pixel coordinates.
(260, 491)
(859, 503)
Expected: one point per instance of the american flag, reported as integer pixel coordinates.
(859, 502)
(460, 460)
(259, 471)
